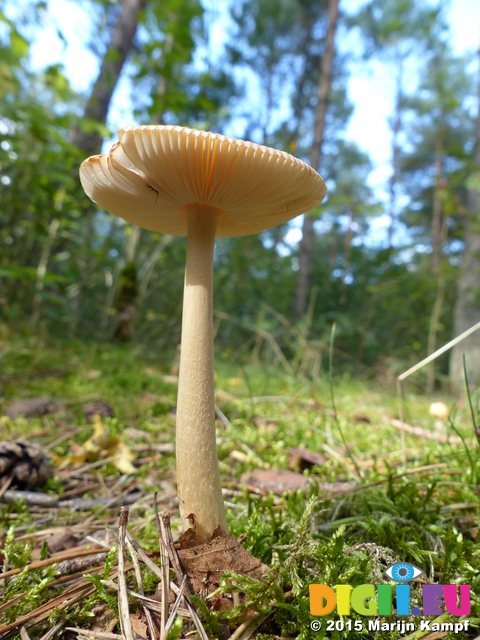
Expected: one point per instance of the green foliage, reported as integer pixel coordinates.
(176, 629)
(393, 512)
(69, 259)
(101, 592)
(32, 586)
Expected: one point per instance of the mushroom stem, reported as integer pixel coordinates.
(198, 478)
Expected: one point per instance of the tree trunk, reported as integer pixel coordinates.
(348, 250)
(439, 235)
(396, 127)
(467, 308)
(42, 270)
(437, 220)
(112, 64)
(96, 109)
(306, 243)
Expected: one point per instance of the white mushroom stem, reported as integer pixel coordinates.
(198, 478)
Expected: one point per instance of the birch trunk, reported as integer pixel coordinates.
(467, 308)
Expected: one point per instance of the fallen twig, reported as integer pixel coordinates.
(30, 498)
(81, 504)
(425, 434)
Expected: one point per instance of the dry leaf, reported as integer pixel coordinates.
(62, 540)
(122, 456)
(98, 408)
(139, 624)
(205, 563)
(275, 481)
(100, 445)
(302, 459)
(280, 481)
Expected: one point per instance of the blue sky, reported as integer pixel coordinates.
(371, 86)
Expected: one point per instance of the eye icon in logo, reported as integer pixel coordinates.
(403, 572)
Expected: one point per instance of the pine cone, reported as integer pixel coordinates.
(27, 464)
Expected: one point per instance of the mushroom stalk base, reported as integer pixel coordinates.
(198, 478)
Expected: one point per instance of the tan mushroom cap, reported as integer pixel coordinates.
(155, 173)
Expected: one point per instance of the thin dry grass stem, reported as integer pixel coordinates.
(342, 460)
(65, 436)
(12, 602)
(93, 540)
(80, 528)
(458, 505)
(422, 363)
(280, 317)
(76, 552)
(175, 562)
(61, 602)
(144, 556)
(173, 615)
(97, 635)
(123, 610)
(166, 534)
(150, 603)
(51, 633)
(262, 333)
(426, 435)
(439, 352)
(74, 578)
(307, 354)
(158, 572)
(165, 569)
(24, 634)
(93, 465)
(425, 469)
(138, 577)
(6, 484)
(247, 628)
(245, 446)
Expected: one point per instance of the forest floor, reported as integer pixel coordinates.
(322, 482)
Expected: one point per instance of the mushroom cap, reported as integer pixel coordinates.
(155, 173)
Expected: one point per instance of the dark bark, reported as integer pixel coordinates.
(467, 308)
(99, 102)
(96, 110)
(439, 232)
(299, 99)
(306, 243)
(437, 220)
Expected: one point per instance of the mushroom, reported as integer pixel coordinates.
(203, 185)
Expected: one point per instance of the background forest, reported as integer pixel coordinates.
(280, 78)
